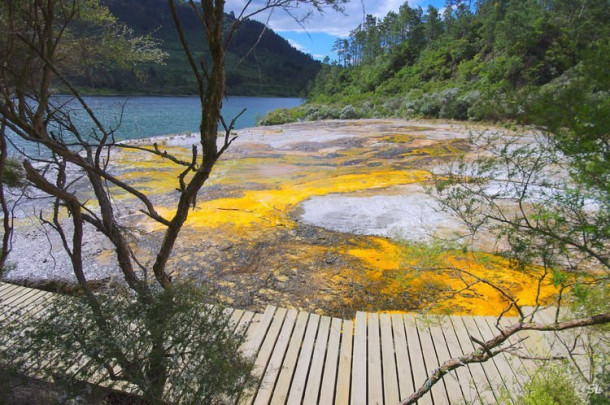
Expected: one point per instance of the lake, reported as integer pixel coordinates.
(146, 116)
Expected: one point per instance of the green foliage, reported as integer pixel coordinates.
(600, 395)
(93, 42)
(551, 385)
(587, 300)
(322, 112)
(103, 41)
(546, 206)
(575, 107)
(280, 116)
(134, 336)
(565, 220)
(13, 174)
(274, 68)
(500, 51)
(348, 112)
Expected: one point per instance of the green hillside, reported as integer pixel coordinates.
(272, 68)
(483, 60)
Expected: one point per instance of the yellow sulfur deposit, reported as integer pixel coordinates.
(392, 266)
(247, 210)
(269, 207)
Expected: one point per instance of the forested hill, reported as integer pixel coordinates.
(478, 60)
(273, 68)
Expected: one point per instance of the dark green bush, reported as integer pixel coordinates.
(348, 112)
(13, 174)
(280, 116)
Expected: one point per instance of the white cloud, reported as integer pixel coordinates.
(330, 22)
(297, 46)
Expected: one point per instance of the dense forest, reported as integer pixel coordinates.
(483, 60)
(272, 67)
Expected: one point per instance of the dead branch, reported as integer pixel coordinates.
(155, 151)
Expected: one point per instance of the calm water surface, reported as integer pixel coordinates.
(146, 116)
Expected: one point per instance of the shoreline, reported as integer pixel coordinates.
(163, 95)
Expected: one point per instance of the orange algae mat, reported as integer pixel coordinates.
(442, 286)
(250, 203)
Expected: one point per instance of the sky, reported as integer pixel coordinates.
(318, 33)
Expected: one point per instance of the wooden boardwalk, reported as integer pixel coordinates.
(304, 358)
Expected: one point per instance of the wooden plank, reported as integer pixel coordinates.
(387, 353)
(492, 370)
(547, 316)
(518, 378)
(451, 381)
(418, 365)
(270, 338)
(4, 286)
(11, 292)
(21, 295)
(344, 371)
(312, 388)
(535, 342)
(229, 314)
(21, 315)
(234, 320)
(11, 295)
(264, 354)
(503, 367)
(47, 296)
(25, 303)
(480, 381)
(256, 335)
(17, 304)
(297, 388)
(34, 308)
(283, 383)
(463, 373)
(263, 395)
(244, 322)
(439, 393)
(375, 378)
(359, 383)
(403, 364)
(523, 367)
(102, 377)
(15, 293)
(391, 394)
(327, 391)
(570, 344)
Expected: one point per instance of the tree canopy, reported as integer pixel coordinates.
(476, 60)
(41, 43)
(272, 68)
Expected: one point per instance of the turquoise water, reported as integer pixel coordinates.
(146, 116)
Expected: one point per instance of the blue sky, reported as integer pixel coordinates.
(318, 33)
